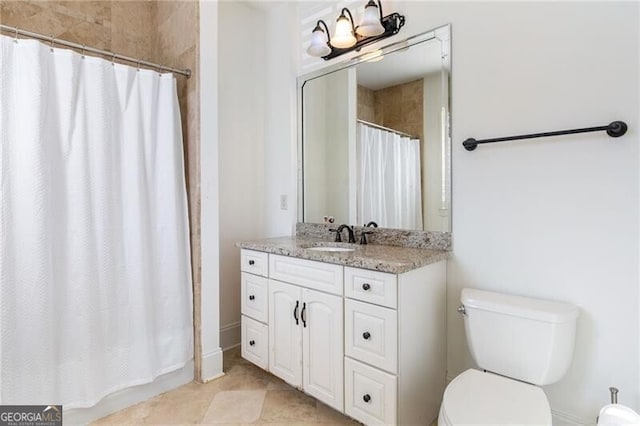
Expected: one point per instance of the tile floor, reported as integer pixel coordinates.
(246, 394)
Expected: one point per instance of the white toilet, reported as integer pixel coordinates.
(519, 344)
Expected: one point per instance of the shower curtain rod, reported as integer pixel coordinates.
(388, 129)
(51, 39)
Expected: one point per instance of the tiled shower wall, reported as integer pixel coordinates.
(165, 32)
(399, 107)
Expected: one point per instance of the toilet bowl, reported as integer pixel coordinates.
(477, 397)
(519, 344)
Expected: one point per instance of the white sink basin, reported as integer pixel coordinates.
(332, 249)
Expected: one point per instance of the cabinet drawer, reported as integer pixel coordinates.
(255, 262)
(255, 342)
(370, 394)
(255, 296)
(307, 273)
(371, 334)
(380, 288)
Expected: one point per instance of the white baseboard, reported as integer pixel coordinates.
(230, 335)
(127, 397)
(212, 365)
(565, 419)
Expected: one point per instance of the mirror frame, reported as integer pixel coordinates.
(352, 62)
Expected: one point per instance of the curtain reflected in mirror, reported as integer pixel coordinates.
(375, 139)
(389, 184)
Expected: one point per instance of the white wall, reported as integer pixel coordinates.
(241, 130)
(554, 218)
(280, 133)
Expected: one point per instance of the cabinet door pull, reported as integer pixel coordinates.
(251, 297)
(302, 316)
(366, 286)
(295, 312)
(366, 335)
(252, 342)
(252, 262)
(367, 398)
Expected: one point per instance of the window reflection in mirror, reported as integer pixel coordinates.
(375, 143)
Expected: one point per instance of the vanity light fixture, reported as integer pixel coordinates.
(348, 37)
(374, 56)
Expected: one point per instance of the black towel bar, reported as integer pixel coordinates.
(614, 129)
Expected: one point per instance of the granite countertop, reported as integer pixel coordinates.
(395, 260)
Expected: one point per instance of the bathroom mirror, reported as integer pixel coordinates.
(374, 139)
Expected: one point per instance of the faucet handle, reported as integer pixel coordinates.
(363, 236)
(338, 236)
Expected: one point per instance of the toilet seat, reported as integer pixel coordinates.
(475, 397)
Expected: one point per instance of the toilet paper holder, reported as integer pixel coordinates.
(615, 414)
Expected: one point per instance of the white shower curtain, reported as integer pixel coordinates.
(95, 281)
(389, 183)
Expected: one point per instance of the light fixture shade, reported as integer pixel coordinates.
(371, 25)
(343, 37)
(318, 46)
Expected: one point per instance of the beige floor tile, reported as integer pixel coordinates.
(238, 406)
(275, 383)
(288, 406)
(233, 357)
(181, 406)
(291, 423)
(211, 387)
(246, 394)
(245, 376)
(328, 415)
(129, 416)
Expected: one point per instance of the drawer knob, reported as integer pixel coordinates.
(367, 398)
(366, 335)
(252, 342)
(251, 297)
(252, 262)
(366, 286)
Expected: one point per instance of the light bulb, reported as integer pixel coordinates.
(343, 36)
(318, 46)
(371, 25)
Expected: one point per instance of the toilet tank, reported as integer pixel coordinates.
(519, 337)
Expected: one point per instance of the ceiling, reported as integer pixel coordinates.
(401, 66)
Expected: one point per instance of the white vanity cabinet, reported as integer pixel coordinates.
(395, 344)
(369, 344)
(306, 329)
(254, 307)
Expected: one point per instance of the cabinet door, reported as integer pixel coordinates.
(322, 336)
(285, 336)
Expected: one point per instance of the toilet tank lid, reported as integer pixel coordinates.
(524, 307)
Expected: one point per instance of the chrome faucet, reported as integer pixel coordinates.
(352, 237)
